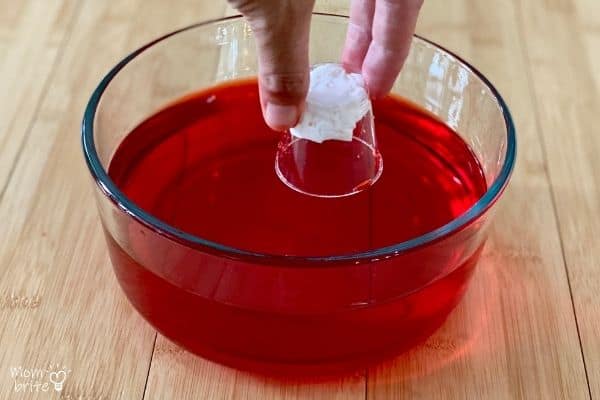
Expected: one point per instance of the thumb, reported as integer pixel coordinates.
(281, 28)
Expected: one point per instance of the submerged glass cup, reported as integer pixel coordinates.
(273, 312)
(332, 168)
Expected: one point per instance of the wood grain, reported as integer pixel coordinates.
(31, 35)
(561, 42)
(51, 246)
(528, 327)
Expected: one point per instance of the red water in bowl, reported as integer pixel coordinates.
(205, 165)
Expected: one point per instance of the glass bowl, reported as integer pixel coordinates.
(272, 312)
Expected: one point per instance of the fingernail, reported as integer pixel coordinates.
(281, 117)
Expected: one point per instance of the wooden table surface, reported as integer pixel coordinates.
(529, 327)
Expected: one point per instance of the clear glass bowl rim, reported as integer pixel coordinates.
(118, 198)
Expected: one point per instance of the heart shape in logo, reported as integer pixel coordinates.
(58, 377)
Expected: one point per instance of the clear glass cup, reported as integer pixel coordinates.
(332, 168)
(272, 312)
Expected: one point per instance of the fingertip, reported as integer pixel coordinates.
(282, 98)
(281, 117)
(377, 91)
(350, 62)
(378, 83)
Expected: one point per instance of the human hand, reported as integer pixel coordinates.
(377, 43)
(378, 40)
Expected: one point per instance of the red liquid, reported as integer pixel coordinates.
(205, 165)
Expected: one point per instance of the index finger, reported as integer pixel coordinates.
(393, 26)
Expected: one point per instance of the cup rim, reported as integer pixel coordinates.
(119, 199)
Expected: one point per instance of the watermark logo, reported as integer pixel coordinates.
(34, 380)
(14, 301)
